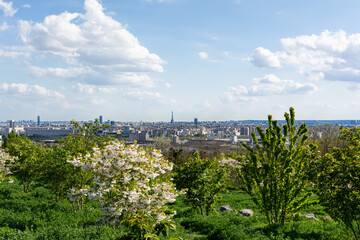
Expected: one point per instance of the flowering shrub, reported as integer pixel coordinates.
(132, 185)
(5, 159)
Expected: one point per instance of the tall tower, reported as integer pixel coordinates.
(101, 119)
(38, 120)
(172, 117)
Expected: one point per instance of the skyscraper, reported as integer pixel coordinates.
(195, 121)
(12, 123)
(101, 119)
(38, 120)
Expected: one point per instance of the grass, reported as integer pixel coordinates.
(36, 215)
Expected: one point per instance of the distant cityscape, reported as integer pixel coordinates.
(228, 132)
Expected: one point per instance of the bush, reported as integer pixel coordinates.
(277, 172)
(339, 181)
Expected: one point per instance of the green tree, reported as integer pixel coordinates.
(85, 137)
(339, 181)
(276, 172)
(28, 156)
(202, 179)
(56, 173)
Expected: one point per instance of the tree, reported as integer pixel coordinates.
(27, 159)
(56, 173)
(202, 179)
(276, 173)
(162, 142)
(339, 181)
(85, 137)
(325, 137)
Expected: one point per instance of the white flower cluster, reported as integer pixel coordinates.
(128, 182)
(231, 163)
(5, 159)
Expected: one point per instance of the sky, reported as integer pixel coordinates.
(215, 60)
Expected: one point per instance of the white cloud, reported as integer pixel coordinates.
(33, 91)
(7, 8)
(92, 89)
(267, 86)
(137, 94)
(97, 100)
(14, 53)
(329, 55)
(204, 55)
(262, 57)
(203, 105)
(26, 6)
(4, 26)
(227, 53)
(59, 72)
(92, 43)
(85, 88)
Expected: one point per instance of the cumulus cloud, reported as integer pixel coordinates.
(204, 55)
(33, 91)
(329, 55)
(267, 86)
(262, 57)
(92, 43)
(7, 8)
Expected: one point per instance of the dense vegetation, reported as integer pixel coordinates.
(89, 187)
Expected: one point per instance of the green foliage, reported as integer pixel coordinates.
(28, 157)
(277, 172)
(85, 138)
(203, 179)
(56, 173)
(339, 181)
(35, 215)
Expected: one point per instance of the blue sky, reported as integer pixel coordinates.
(133, 60)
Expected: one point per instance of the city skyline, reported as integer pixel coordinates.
(139, 60)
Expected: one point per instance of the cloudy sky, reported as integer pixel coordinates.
(132, 60)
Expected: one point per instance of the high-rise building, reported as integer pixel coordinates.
(101, 119)
(196, 121)
(38, 120)
(172, 117)
(12, 123)
(126, 131)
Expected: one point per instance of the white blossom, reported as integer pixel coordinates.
(132, 175)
